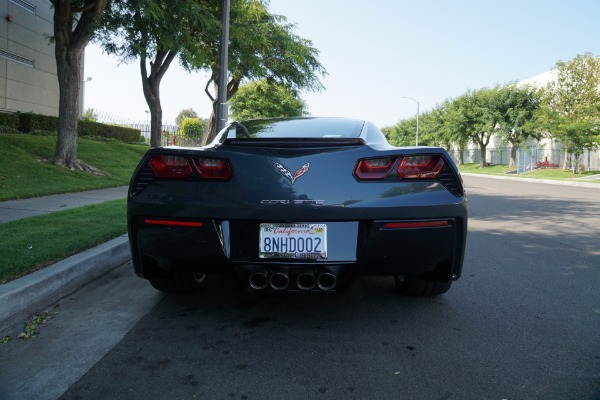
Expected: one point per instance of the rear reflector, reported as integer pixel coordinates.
(374, 168)
(193, 224)
(213, 168)
(415, 224)
(170, 167)
(420, 167)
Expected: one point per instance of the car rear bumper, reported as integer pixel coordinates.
(434, 247)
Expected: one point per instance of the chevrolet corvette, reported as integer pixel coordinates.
(298, 205)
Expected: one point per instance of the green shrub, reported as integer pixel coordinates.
(29, 122)
(8, 129)
(191, 127)
(9, 120)
(96, 129)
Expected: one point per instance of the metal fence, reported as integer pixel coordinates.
(531, 157)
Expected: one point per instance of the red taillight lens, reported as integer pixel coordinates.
(213, 168)
(170, 167)
(415, 224)
(420, 167)
(190, 224)
(374, 168)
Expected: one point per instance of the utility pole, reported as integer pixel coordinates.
(222, 111)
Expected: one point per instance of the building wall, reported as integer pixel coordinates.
(28, 81)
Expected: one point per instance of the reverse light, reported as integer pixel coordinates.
(420, 167)
(213, 168)
(170, 167)
(374, 168)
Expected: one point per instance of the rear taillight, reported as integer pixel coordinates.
(420, 167)
(170, 167)
(374, 168)
(213, 168)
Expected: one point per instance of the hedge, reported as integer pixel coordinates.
(37, 124)
(9, 119)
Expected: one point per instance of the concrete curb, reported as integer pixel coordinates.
(21, 298)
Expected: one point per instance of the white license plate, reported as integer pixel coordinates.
(298, 240)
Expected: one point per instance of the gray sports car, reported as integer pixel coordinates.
(298, 205)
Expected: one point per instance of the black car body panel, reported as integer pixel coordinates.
(376, 222)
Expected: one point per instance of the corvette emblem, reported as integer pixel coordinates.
(292, 178)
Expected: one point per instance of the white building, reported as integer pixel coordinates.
(28, 81)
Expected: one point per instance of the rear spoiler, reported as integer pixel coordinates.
(294, 142)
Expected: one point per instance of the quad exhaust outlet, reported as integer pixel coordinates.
(280, 280)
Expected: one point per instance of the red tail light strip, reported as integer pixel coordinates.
(410, 167)
(192, 224)
(415, 224)
(179, 167)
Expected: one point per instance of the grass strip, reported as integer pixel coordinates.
(33, 243)
(542, 173)
(25, 171)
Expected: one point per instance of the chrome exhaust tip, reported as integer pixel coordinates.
(258, 280)
(279, 281)
(306, 281)
(326, 281)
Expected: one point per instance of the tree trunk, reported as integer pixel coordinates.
(566, 159)
(69, 76)
(151, 86)
(73, 29)
(513, 156)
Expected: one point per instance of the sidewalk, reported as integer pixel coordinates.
(16, 209)
(21, 298)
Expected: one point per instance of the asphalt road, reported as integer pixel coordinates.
(522, 323)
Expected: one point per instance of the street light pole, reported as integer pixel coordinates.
(89, 78)
(221, 112)
(416, 101)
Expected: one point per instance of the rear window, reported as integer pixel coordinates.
(295, 128)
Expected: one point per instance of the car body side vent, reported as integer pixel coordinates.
(450, 180)
(144, 177)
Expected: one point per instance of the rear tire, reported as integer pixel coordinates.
(415, 286)
(182, 282)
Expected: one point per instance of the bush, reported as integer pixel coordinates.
(96, 129)
(191, 127)
(9, 120)
(29, 122)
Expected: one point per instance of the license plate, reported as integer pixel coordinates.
(308, 241)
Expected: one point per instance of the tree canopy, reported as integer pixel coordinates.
(154, 32)
(261, 99)
(571, 106)
(183, 114)
(262, 46)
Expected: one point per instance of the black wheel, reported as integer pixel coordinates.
(182, 282)
(415, 286)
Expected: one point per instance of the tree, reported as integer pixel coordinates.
(90, 115)
(183, 114)
(74, 24)
(153, 31)
(262, 46)
(261, 99)
(516, 112)
(191, 127)
(570, 109)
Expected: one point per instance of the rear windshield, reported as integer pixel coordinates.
(295, 128)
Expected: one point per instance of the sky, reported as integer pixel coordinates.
(383, 56)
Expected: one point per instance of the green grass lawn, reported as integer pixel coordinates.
(25, 172)
(33, 243)
(542, 173)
